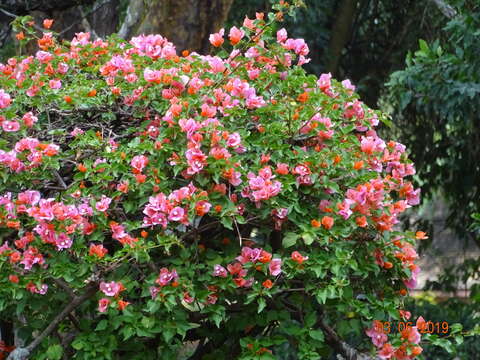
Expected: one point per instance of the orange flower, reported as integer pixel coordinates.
(416, 350)
(361, 221)
(420, 235)
(303, 97)
(267, 284)
(388, 265)
(20, 36)
(144, 234)
(92, 93)
(122, 304)
(327, 222)
(13, 279)
(141, 178)
(315, 223)
(97, 250)
(47, 23)
(358, 165)
(67, 99)
(81, 168)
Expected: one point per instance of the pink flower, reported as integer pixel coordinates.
(219, 271)
(77, 132)
(5, 99)
(29, 119)
(324, 81)
(412, 282)
(275, 267)
(63, 242)
(111, 288)
(139, 162)
(233, 140)
(176, 214)
(235, 35)
(217, 38)
(377, 334)
(103, 304)
(43, 56)
(103, 204)
(386, 352)
(152, 75)
(166, 276)
(10, 126)
(29, 197)
(282, 35)
(55, 84)
(249, 255)
(348, 85)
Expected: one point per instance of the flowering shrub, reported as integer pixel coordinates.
(231, 202)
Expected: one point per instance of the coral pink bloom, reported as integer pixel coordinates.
(97, 250)
(111, 288)
(103, 204)
(282, 35)
(176, 214)
(233, 140)
(324, 82)
(43, 56)
(298, 258)
(5, 99)
(29, 197)
(411, 334)
(219, 271)
(10, 126)
(63, 242)
(29, 119)
(275, 267)
(55, 84)
(377, 334)
(386, 352)
(152, 75)
(202, 207)
(217, 38)
(235, 35)
(166, 276)
(103, 304)
(139, 162)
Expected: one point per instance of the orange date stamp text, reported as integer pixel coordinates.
(428, 327)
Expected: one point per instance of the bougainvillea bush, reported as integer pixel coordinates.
(157, 205)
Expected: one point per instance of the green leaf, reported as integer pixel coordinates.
(289, 239)
(261, 304)
(102, 325)
(55, 352)
(317, 335)
(308, 238)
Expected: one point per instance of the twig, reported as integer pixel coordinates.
(60, 180)
(341, 346)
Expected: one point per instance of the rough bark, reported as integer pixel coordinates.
(187, 23)
(340, 33)
(23, 7)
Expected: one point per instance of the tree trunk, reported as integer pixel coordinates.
(340, 33)
(187, 23)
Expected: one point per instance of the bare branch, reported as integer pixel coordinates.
(347, 351)
(445, 8)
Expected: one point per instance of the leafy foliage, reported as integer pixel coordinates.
(436, 109)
